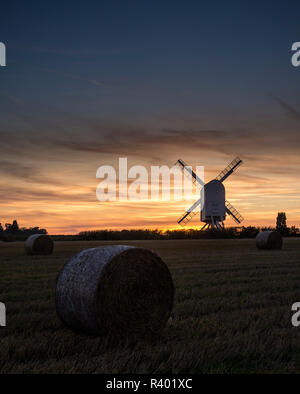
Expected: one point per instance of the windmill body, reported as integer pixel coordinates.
(212, 202)
(213, 197)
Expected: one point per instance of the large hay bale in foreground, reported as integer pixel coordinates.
(122, 290)
(39, 244)
(269, 240)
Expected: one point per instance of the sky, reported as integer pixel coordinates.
(153, 81)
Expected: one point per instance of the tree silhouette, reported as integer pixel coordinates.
(12, 228)
(281, 226)
(14, 232)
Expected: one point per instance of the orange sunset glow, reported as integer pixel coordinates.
(52, 181)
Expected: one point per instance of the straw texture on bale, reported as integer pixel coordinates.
(39, 244)
(117, 289)
(269, 240)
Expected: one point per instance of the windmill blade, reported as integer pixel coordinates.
(229, 169)
(190, 173)
(203, 227)
(189, 214)
(237, 217)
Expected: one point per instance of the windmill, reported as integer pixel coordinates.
(212, 200)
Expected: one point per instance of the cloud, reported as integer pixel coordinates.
(73, 76)
(15, 169)
(34, 194)
(139, 142)
(290, 111)
(90, 140)
(27, 173)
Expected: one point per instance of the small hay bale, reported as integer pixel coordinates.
(122, 290)
(269, 240)
(39, 244)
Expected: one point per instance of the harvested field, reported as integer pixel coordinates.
(232, 312)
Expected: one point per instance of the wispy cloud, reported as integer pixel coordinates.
(73, 76)
(290, 111)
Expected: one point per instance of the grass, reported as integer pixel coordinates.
(232, 313)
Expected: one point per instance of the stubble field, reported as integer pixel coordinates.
(232, 313)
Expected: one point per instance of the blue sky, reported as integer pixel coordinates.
(143, 59)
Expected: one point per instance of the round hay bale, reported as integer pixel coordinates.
(122, 290)
(269, 240)
(39, 244)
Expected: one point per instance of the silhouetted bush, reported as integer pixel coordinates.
(14, 232)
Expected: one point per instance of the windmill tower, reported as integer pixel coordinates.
(212, 200)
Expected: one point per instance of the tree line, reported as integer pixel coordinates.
(229, 232)
(12, 231)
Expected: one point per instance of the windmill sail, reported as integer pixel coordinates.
(186, 217)
(213, 206)
(189, 214)
(229, 169)
(190, 173)
(237, 217)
